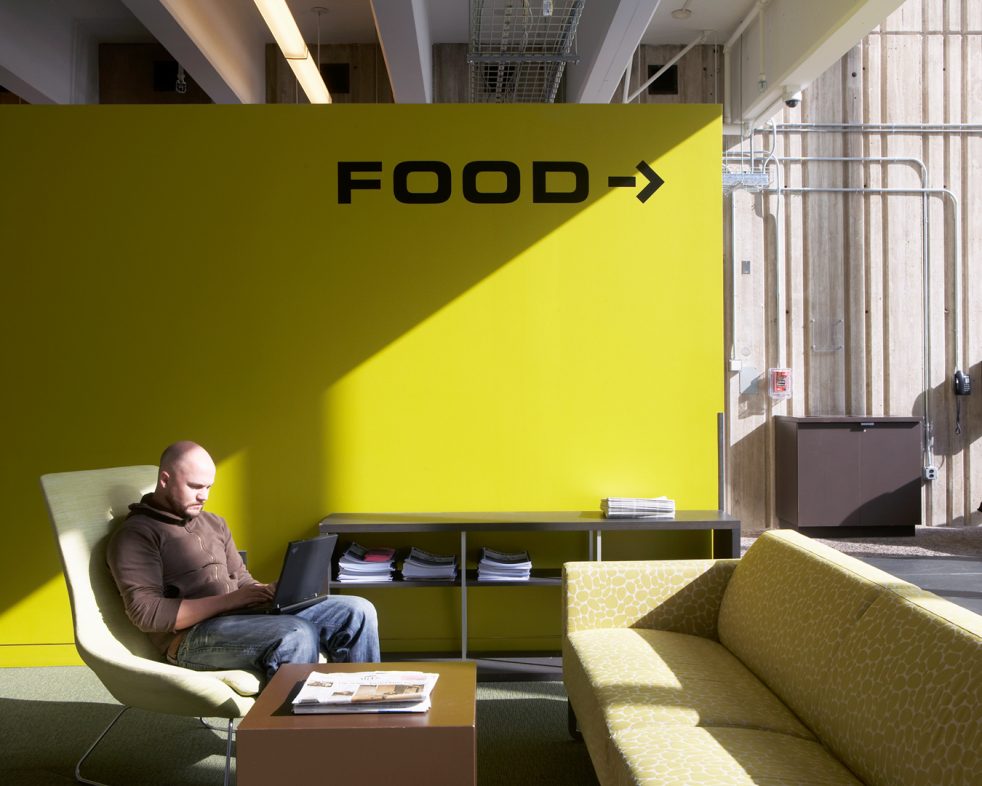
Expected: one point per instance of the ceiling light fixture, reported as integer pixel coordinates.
(683, 12)
(284, 28)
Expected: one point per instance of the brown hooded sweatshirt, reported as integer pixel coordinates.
(157, 558)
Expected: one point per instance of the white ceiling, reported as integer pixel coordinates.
(47, 47)
(350, 21)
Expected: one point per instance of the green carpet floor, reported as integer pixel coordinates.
(49, 716)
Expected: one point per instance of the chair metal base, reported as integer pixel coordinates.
(229, 731)
(571, 723)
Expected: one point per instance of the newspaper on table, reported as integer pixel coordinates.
(365, 691)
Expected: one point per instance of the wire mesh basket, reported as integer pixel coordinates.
(518, 49)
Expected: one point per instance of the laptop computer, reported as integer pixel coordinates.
(304, 577)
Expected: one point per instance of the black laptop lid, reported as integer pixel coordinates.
(306, 570)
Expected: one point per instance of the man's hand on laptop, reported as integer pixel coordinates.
(252, 595)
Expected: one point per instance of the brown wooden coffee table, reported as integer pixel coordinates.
(435, 748)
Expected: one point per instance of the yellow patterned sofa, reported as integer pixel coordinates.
(793, 666)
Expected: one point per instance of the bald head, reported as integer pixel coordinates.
(176, 453)
(185, 478)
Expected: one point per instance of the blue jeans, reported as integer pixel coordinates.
(344, 627)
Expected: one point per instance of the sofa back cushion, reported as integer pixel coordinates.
(787, 610)
(677, 595)
(904, 705)
(887, 675)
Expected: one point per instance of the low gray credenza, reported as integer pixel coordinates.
(725, 534)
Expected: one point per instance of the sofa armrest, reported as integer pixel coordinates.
(677, 595)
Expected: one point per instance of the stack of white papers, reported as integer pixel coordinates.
(423, 566)
(504, 566)
(365, 691)
(638, 507)
(363, 566)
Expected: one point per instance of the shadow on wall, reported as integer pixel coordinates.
(949, 418)
(751, 478)
(899, 507)
(957, 424)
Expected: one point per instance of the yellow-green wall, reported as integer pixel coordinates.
(187, 272)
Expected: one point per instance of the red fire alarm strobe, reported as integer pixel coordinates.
(780, 383)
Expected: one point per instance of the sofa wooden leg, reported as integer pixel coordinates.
(574, 729)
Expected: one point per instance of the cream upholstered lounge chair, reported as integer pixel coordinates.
(84, 507)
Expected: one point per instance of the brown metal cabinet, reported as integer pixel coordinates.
(848, 472)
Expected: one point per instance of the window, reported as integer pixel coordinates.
(665, 85)
(337, 77)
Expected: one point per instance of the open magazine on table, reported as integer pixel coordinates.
(365, 691)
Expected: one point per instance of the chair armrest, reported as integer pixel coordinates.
(677, 595)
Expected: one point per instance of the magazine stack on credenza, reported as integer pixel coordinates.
(638, 507)
(359, 565)
(504, 565)
(423, 565)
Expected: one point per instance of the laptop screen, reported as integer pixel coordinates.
(306, 570)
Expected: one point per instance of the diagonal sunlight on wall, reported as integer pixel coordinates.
(189, 273)
(562, 377)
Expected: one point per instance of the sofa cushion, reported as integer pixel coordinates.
(788, 608)
(649, 676)
(679, 595)
(905, 703)
(664, 755)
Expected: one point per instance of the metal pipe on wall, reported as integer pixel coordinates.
(943, 192)
(928, 438)
(778, 239)
(881, 128)
(780, 264)
(908, 128)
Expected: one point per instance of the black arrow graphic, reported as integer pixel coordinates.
(654, 182)
(630, 181)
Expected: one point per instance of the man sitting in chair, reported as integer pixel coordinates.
(181, 575)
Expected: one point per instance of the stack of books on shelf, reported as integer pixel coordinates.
(364, 566)
(423, 566)
(638, 507)
(504, 566)
(365, 691)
